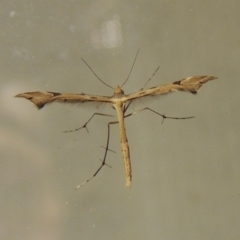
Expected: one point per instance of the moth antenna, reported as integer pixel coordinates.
(131, 68)
(151, 77)
(96, 75)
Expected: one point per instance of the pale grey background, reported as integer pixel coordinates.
(186, 174)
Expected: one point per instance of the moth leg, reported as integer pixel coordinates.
(162, 115)
(127, 106)
(86, 123)
(103, 162)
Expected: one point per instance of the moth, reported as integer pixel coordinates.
(120, 102)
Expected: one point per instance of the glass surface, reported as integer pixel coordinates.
(185, 172)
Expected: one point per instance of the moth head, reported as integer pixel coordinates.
(118, 90)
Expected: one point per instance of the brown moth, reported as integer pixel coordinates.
(120, 102)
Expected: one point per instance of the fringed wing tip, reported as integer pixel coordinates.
(192, 84)
(19, 95)
(200, 80)
(36, 98)
(208, 78)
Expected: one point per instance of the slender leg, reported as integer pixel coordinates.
(103, 162)
(86, 123)
(162, 115)
(127, 106)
